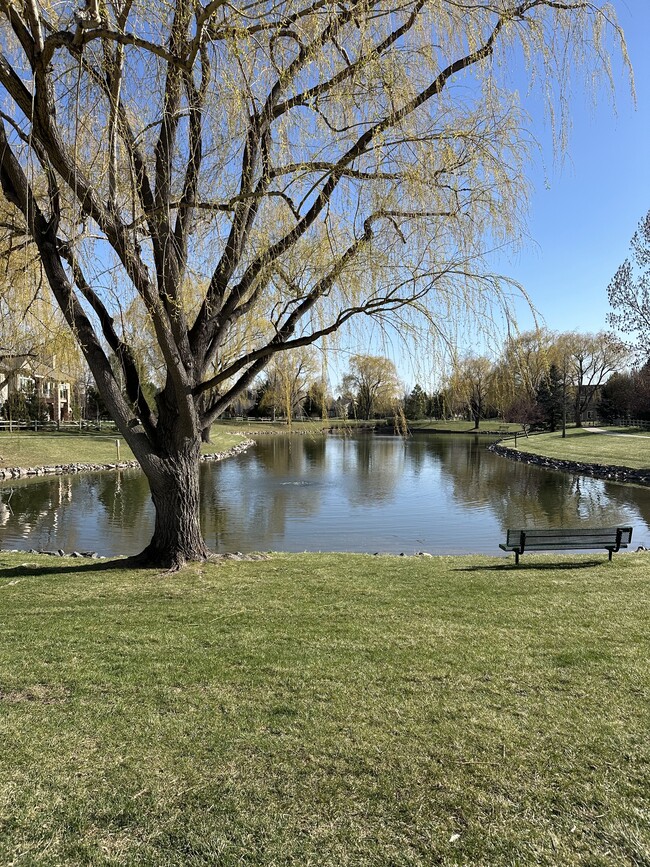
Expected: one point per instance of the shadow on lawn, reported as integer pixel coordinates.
(510, 566)
(35, 570)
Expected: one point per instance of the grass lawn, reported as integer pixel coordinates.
(29, 449)
(494, 425)
(312, 425)
(584, 445)
(326, 710)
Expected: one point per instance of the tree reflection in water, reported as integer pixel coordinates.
(365, 493)
(77, 513)
(520, 495)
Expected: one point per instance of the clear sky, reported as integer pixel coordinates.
(584, 212)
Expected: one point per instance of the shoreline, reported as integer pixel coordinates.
(607, 472)
(10, 473)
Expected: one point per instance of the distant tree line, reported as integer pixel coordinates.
(626, 396)
(541, 379)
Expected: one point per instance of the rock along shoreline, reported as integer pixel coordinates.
(606, 472)
(71, 469)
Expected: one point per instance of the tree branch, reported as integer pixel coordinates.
(121, 350)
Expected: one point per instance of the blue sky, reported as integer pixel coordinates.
(584, 212)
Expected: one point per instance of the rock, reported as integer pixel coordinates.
(597, 471)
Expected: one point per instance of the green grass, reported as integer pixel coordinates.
(586, 446)
(326, 710)
(459, 426)
(29, 449)
(312, 425)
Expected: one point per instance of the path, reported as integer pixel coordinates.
(612, 433)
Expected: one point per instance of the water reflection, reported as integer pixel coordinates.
(369, 469)
(105, 512)
(437, 494)
(519, 495)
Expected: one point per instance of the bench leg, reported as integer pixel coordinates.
(516, 558)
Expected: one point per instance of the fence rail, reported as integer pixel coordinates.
(81, 425)
(644, 424)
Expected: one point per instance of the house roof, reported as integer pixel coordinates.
(32, 366)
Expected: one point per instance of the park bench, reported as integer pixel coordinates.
(610, 538)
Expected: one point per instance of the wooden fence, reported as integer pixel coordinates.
(70, 426)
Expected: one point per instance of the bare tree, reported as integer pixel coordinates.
(589, 360)
(629, 292)
(306, 162)
(472, 385)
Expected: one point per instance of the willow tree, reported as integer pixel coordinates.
(372, 384)
(472, 386)
(289, 378)
(306, 161)
(31, 325)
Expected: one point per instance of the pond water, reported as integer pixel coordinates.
(438, 494)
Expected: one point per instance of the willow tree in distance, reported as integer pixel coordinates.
(372, 384)
(305, 162)
(472, 386)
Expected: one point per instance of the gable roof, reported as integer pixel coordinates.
(32, 366)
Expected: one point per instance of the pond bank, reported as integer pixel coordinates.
(598, 471)
(73, 468)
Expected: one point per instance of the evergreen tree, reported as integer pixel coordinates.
(95, 406)
(37, 408)
(550, 396)
(436, 404)
(415, 405)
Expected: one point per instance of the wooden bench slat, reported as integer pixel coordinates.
(561, 533)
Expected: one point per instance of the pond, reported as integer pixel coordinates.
(432, 493)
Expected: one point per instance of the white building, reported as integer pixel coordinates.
(24, 373)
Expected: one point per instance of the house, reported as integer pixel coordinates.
(29, 375)
(589, 401)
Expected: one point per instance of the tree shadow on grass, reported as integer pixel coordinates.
(510, 566)
(35, 570)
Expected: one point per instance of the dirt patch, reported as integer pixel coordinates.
(41, 693)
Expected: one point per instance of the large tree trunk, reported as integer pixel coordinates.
(177, 536)
(476, 414)
(577, 415)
